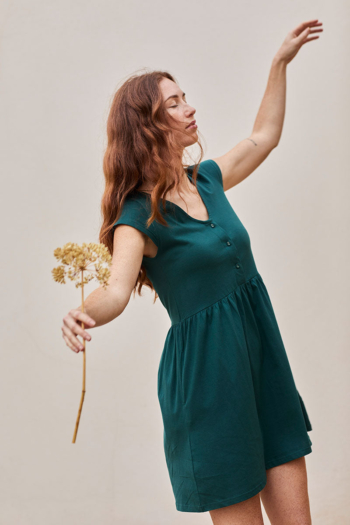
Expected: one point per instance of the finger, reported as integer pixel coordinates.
(75, 327)
(69, 344)
(73, 340)
(309, 39)
(304, 34)
(82, 316)
(301, 27)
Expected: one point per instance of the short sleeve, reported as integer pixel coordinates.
(211, 171)
(135, 214)
(214, 169)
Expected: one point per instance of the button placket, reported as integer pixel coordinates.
(222, 234)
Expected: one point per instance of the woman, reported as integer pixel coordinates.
(235, 427)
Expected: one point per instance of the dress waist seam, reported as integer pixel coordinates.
(217, 301)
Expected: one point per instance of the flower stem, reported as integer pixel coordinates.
(84, 362)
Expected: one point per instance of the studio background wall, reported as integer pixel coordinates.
(60, 64)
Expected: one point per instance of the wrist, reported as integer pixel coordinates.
(279, 61)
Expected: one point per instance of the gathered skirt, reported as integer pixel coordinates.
(229, 402)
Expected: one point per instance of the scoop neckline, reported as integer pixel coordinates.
(170, 203)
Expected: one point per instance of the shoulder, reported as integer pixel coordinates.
(210, 170)
(135, 213)
(133, 208)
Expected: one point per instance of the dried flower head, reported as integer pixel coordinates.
(76, 259)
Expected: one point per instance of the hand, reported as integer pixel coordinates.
(296, 38)
(72, 327)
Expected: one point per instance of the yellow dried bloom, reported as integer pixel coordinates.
(76, 259)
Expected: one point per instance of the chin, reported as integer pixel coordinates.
(190, 141)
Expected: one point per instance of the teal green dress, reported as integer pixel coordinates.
(229, 402)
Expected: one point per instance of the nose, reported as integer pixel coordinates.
(191, 110)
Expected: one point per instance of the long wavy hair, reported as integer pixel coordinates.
(141, 148)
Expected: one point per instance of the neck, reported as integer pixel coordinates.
(184, 184)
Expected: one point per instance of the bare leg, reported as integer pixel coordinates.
(246, 512)
(285, 495)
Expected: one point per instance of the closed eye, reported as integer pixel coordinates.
(176, 96)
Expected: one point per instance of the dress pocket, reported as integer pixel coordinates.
(306, 416)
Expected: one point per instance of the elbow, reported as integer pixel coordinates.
(122, 299)
(119, 299)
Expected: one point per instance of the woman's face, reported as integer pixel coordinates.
(178, 108)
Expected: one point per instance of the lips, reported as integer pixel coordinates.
(190, 124)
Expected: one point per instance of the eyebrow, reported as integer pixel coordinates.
(175, 96)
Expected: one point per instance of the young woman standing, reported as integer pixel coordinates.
(235, 426)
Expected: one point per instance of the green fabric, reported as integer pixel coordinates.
(228, 399)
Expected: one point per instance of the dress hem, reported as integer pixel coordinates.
(223, 503)
(279, 460)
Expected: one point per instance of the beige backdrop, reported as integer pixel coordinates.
(61, 63)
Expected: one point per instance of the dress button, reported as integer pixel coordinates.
(237, 266)
(212, 225)
(228, 243)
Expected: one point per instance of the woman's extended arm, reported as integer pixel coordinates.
(248, 154)
(104, 305)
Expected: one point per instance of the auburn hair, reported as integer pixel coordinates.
(141, 148)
